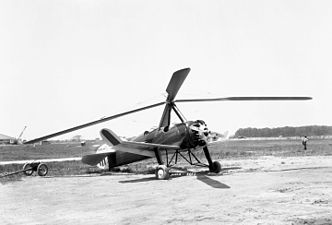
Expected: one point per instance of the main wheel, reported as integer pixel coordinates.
(42, 169)
(216, 167)
(162, 172)
(28, 171)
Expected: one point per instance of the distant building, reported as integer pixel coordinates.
(4, 139)
(45, 142)
(76, 138)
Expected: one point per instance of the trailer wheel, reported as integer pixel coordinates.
(42, 169)
(27, 169)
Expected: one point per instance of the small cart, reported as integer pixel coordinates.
(29, 168)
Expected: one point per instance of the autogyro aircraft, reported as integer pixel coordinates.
(167, 143)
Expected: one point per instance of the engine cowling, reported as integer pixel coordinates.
(199, 133)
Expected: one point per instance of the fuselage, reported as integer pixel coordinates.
(181, 134)
(186, 135)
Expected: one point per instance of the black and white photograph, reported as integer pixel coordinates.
(166, 112)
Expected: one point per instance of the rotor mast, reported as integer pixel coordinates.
(166, 117)
(172, 89)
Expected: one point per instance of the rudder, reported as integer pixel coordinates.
(110, 137)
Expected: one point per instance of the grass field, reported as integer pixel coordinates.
(277, 147)
(230, 149)
(47, 151)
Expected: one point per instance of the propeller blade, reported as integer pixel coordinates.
(91, 123)
(244, 99)
(175, 83)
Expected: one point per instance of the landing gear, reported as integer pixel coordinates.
(162, 172)
(215, 167)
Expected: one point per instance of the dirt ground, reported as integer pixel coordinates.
(266, 190)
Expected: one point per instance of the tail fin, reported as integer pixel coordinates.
(110, 137)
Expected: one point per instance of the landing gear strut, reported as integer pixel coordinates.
(162, 172)
(214, 167)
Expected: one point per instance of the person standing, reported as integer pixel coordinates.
(304, 142)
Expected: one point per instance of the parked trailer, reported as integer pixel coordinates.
(30, 167)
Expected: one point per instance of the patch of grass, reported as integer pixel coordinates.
(232, 149)
(67, 168)
(284, 148)
(47, 151)
(227, 149)
(8, 169)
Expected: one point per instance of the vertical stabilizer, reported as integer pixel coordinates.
(110, 137)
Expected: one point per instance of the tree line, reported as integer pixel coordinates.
(284, 131)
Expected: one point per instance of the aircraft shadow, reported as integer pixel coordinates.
(146, 179)
(201, 176)
(213, 183)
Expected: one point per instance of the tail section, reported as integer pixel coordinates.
(103, 164)
(109, 160)
(112, 140)
(108, 156)
(116, 158)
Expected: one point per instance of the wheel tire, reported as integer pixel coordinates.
(162, 172)
(28, 172)
(202, 143)
(216, 167)
(42, 169)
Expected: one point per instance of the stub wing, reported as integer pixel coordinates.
(141, 148)
(135, 151)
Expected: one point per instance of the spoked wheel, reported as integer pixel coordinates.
(162, 172)
(28, 169)
(216, 167)
(42, 169)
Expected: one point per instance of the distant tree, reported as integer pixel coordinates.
(284, 131)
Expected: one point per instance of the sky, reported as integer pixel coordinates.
(65, 63)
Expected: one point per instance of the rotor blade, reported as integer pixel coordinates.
(175, 83)
(92, 123)
(244, 99)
